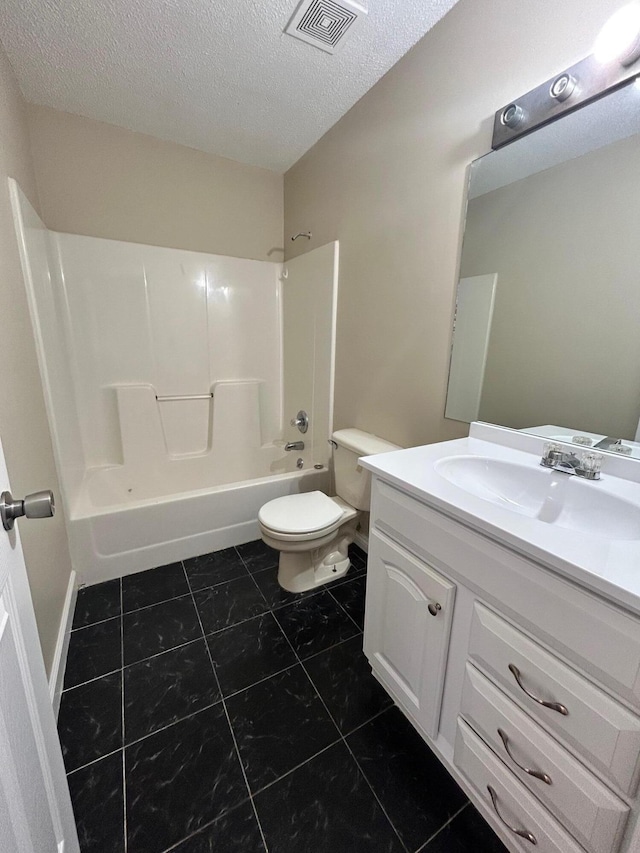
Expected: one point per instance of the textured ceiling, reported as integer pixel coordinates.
(213, 74)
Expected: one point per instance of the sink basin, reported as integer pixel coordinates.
(549, 496)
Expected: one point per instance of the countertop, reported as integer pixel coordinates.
(609, 567)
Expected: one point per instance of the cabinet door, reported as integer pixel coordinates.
(407, 626)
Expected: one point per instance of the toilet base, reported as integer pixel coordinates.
(309, 562)
(299, 572)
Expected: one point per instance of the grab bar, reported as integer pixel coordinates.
(184, 397)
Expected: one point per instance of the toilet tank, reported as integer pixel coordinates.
(353, 483)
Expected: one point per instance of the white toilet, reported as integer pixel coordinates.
(312, 531)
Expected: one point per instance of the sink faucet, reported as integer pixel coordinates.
(608, 442)
(294, 445)
(586, 466)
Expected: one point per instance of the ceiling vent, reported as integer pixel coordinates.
(325, 23)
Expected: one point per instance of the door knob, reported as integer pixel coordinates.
(36, 505)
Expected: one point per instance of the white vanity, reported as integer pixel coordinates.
(503, 617)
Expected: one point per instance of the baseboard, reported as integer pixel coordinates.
(362, 541)
(56, 677)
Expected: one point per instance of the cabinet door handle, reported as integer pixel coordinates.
(537, 774)
(434, 609)
(523, 833)
(555, 706)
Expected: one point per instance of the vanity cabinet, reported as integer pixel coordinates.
(407, 628)
(524, 683)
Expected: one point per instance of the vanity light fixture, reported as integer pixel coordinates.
(616, 50)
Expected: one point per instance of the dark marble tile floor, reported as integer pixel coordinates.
(205, 709)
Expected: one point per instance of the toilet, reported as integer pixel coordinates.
(312, 531)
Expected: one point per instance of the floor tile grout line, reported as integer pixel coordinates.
(359, 632)
(123, 612)
(357, 763)
(204, 827)
(97, 622)
(244, 563)
(94, 761)
(285, 668)
(217, 702)
(369, 720)
(157, 603)
(134, 663)
(344, 609)
(91, 680)
(190, 589)
(164, 728)
(211, 585)
(270, 609)
(239, 555)
(377, 798)
(255, 583)
(298, 766)
(261, 681)
(344, 741)
(124, 768)
(444, 826)
(228, 718)
(335, 645)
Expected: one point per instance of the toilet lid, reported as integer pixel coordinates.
(301, 513)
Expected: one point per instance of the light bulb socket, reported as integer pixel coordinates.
(563, 87)
(512, 115)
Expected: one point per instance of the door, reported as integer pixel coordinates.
(35, 807)
(472, 327)
(407, 627)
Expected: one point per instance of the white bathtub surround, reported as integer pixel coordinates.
(164, 378)
(49, 318)
(146, 321)
(310, 303)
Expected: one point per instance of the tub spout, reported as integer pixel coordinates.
(294, 445)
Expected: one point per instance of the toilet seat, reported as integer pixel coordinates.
(300, 515)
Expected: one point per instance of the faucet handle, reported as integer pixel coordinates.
(551, 452)
(301, 421)
(591, 464)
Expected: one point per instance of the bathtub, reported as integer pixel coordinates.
(118, 526)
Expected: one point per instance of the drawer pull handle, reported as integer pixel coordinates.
(555, 706)
(434, 609)
(529, 836)
(537, 774)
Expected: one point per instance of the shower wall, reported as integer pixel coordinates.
(170, 378)
(48, 315)
(175, 354)
(310, 291)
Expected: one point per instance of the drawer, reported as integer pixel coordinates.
(585, 629)
(598, 728)
(586, 807)
(515, 808)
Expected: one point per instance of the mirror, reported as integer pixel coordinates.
(547, 325)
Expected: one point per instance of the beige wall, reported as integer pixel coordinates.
(564, 347)
(100, 180)
(388, 181)
(23, 420)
